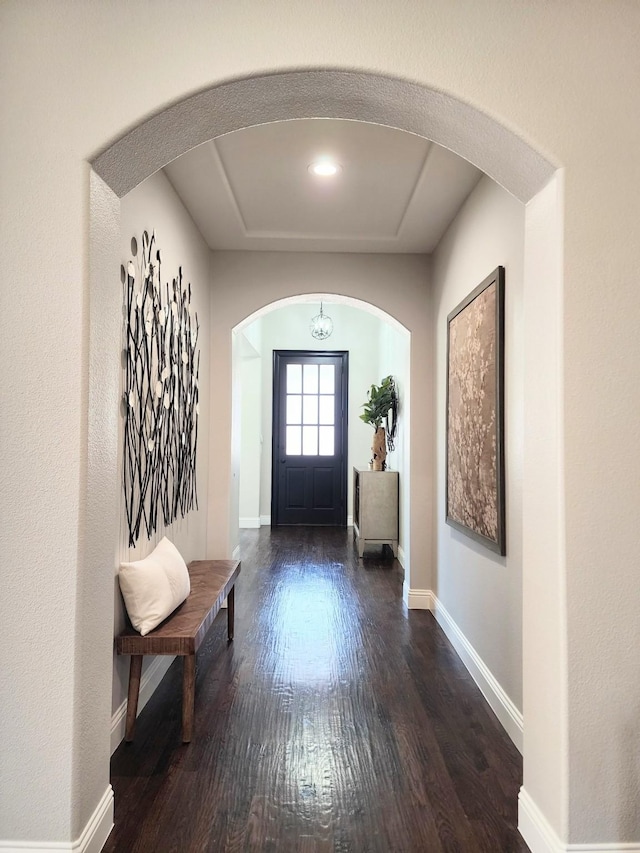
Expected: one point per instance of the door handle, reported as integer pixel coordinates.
(283, 460)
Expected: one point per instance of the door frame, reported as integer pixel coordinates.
(275, 423)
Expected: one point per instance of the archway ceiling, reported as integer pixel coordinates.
(251, 189)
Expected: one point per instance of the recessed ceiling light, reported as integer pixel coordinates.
(324, 168)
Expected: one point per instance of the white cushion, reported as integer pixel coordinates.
(152, 588)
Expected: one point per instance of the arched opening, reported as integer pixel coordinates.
(450, 122)
(284, 324)
(502, 155)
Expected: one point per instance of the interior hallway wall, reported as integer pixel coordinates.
(482, 591)
(251, 439)
(155, 206)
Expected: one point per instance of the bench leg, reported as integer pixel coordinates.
(231, 610)
(188, 696)
(135, 668)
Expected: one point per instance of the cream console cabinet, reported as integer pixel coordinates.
(375, 508)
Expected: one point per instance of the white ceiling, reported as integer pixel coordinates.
(251, 189)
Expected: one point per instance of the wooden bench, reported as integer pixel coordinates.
(182, 634)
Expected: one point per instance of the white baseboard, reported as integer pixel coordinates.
(148, 683)
(92, 839)
(401, 558)
(265, 521)
(349, 521)
(416, 599)
(534, 827)
(542, 838)
(502, 706)
(614, 847)
(248, 523)
(504, 709)
(99, 826)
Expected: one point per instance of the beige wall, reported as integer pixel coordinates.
(482, 591)
(154, 206)
(544, 629)
(251, 438)
(78, 77)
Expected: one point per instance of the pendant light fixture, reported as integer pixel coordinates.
(321, 326)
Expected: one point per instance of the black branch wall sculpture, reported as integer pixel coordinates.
(160, 401)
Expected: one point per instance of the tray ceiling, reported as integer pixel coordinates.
(252, 189)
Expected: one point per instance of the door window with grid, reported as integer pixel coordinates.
(310, 410)
(310, 433)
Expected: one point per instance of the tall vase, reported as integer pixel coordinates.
(379, 450)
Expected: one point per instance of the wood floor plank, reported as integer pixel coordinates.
(335, 721)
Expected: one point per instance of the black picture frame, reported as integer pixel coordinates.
(475, 467)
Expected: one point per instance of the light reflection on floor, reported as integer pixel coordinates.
(307, 636)
(312, 636)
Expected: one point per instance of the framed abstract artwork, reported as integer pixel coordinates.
(475, 484)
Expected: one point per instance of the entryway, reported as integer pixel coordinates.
(366, 344)
(310, 405)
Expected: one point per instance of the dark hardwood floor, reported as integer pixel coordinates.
(335, 721)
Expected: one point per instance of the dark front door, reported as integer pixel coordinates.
(309, 483)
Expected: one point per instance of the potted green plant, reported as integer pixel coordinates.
(382, 399)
